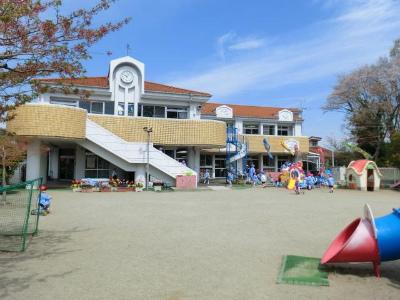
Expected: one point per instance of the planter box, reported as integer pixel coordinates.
(186, 182)
(87, 190)
(157, 188)
(125, 189)
(76, 189)
(139, 189)
(106, 189)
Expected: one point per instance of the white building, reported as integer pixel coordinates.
(72, 137)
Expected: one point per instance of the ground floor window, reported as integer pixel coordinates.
(220, 166)
(181, 155)
(206, 160)
(269, 163)
(206, 163)
(96, 167)
(253, 160)
(282, 160)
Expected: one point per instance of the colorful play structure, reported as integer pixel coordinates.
(236, 152)
(367, 240)
(364, 175)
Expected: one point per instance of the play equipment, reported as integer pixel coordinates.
(364, 175)
(267, 147)
(396, 185)
(367, 240)
(236, 152)
(295, 171)
(355, 148)
(287, 148)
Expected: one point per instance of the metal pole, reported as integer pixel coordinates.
(147, 162)
(333, 158)
(148, 130)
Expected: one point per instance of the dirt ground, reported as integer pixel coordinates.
(192, 245)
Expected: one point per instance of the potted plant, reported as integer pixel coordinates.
(114, 184)
(139, 186)
(157, 185)
(105, 187)
(131, 186)
(76, 186)
(86, 188)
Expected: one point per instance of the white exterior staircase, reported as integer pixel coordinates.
(131, 153)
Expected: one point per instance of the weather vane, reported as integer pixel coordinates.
(128, 49)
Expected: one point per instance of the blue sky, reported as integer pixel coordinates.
(274, 53)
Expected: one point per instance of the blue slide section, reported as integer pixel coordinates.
(388, 231)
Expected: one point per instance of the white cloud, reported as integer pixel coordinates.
(359, 34)
(248, 44)
(230, 41)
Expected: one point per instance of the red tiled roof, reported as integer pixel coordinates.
(359, 166)
(316, 150)
(249, 111)
(102, 82)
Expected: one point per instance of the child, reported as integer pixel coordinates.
(252, 175)
(207, 177)
(44, 200)
(263, 179)
(229, 179)
(309, 181)
(331, 183)
(297, 186)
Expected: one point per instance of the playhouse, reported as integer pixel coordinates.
(364, 175)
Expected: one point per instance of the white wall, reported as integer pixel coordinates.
(298, 129)
(36, 161)
(239, 125)
(80, 161)
(54, 163)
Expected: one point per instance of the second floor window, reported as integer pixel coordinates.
(176, 113)
(285, 130)
(152, 111)
(250, 129)
(269, 129)
(97, 107)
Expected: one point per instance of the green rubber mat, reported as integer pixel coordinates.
(302, 270)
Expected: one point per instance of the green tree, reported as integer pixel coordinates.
(37, 40)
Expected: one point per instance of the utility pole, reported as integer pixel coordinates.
(148, 130)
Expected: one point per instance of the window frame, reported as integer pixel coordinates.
(288, 127)
(97, 102)
(256, 127)
(273, 126)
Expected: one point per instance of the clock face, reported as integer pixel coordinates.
(126, 77)
(285, 116)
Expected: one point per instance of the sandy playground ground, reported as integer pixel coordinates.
(192, 245)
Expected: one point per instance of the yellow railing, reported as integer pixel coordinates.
(49, 121)
(168, 132)
(256, 144)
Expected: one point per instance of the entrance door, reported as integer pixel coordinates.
(67, 164)
(370, 180)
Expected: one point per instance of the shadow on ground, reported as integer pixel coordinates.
(389, 270)
(14, 278)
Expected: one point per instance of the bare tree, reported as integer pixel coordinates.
(370, 98)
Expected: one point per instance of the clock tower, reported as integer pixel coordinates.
(126, 81)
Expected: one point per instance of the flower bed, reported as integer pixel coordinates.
(111, 185)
